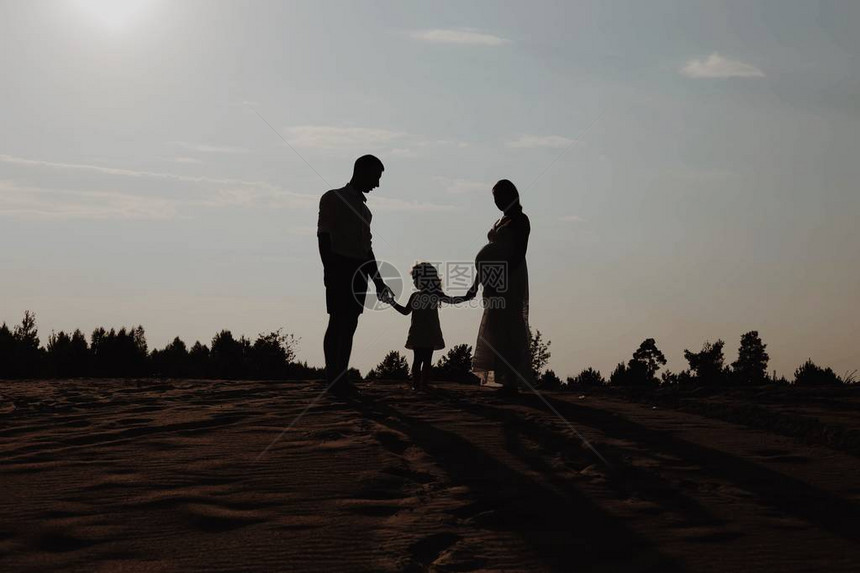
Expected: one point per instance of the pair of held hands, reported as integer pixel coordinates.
(385, 294)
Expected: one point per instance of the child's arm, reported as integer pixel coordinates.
(470, 294)
(403, 310)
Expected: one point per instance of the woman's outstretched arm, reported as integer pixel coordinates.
(470, 294)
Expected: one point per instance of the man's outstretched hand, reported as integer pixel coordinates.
(384, 293)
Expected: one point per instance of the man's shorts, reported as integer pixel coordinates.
(345, 285)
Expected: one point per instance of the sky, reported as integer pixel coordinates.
(690, 169)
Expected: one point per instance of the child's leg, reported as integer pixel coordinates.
(416, 367)
(427, 371)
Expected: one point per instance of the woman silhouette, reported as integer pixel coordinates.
(502, 347)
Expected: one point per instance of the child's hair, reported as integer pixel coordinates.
(426, 277)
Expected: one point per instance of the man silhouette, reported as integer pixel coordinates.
(343, 231)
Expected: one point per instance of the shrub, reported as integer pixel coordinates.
(619, 376)
(456, 365)
(393, 367)
(271, 354)
(549, 381)
(809, 374)
(539, 353)
(707, 364)
(588, 378)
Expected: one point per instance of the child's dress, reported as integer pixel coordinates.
(425, 330)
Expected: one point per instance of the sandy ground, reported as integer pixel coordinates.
(157, 476)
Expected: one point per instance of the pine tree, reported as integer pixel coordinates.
(646, 361)
(751, 365)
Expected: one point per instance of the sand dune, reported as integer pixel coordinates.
(151, 476)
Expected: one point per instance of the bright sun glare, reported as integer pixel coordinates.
(114, 14)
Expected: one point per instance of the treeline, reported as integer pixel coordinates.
(707, 367)
(124, 353)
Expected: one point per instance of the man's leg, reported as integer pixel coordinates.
(348, 325)
(330, 344)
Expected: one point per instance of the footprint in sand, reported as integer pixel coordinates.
(391, 441)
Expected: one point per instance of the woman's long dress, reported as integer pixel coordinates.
(502, 348)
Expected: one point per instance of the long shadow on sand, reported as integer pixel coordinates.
(624, 479)
(564, 528)
(778, 490)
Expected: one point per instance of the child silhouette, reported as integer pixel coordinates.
(425, 332)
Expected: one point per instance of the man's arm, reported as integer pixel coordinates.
(325, 225)
(383, 291)
(324, 240)
(373, 272)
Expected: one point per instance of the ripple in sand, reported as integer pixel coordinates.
(216, 518)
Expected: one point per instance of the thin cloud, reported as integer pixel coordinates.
(342, 138)
(404, 152)
(534, 141)
(228, 193)
(206, 192)
(206, 148)
(461, 36)
(392, 204)
(716, 66)
(128, 172)
(32, 202)
(460, 186)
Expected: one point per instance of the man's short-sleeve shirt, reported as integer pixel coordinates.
(345, 217)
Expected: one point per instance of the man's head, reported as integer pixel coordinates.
(366, 173)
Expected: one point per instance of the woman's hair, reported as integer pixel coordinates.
(507, 194)
(426, 277)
